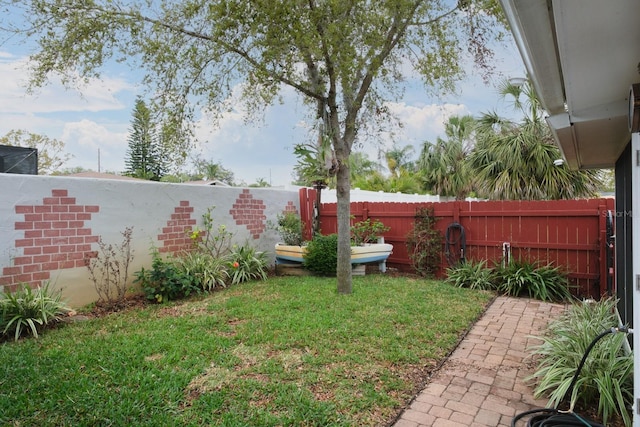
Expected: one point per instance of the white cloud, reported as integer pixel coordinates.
(95, 95)
(86, 140)
(97, 115)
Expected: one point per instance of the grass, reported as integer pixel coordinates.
(288, 351)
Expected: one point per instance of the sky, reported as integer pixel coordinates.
(94, 121)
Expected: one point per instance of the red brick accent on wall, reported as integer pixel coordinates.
(55, 238)
(291, 207)
(175, 236)
(249, 212)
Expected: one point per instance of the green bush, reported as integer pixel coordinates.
(367, 231)
(27, 310)
(290, 228)
(473, 275)
(247, 264)
(321, 256)
(424, 243)
(525, 278)
(206, 272)
(166, 280)
(607, 375)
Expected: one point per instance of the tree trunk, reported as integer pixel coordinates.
(343, 196)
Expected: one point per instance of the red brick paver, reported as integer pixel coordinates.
(482, 382)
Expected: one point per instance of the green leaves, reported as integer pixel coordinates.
(321, 256)
(523, 278)
(607, 376)
(246, 263)
(514, 160)
(424, 243)
(472, 275)
(26, 310)
(290, 228)
(366, 231)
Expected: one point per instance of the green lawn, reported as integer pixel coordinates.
(289, 351)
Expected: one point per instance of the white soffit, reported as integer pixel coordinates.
(582, 56)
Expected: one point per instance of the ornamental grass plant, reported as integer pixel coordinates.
(27, 311)
(520, 277)
(606, 380)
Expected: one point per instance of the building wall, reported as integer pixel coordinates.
(50, 226)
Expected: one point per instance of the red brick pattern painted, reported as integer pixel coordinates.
(291, 207)
(55, 238)
(175, 236)
(249, 212)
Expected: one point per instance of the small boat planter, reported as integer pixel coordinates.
(363, 254)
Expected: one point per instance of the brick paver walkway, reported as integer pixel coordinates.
(482, 382)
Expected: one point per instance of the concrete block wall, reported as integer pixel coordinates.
(50, 226)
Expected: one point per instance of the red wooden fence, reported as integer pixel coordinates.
(569, 233)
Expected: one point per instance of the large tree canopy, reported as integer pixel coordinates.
(344, 56)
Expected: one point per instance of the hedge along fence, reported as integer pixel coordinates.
(569, 233)
(50, 226)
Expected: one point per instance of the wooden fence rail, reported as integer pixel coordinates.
(569, 233)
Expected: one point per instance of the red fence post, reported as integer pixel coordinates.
(307, 198)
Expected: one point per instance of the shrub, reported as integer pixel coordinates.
(216, 243)
(424, 243)
(166, 280)
(109, 270)
(290, 228)
(321, 256)
(206, 272)
(27, 310)
(247, 264)
(367, 231)
(607, 375)
(473, 275)
(521, 277)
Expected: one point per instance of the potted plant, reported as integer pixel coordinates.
(291, 249)
(367, 232)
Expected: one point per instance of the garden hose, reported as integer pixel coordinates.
(455, 248)
(553, 417)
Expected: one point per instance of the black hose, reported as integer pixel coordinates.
(455, 248)
(550, 417)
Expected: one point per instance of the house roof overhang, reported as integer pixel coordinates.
(582, 57)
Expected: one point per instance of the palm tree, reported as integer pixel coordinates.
(361, 166)
(398, 159)
(443, 166)
(515, 160)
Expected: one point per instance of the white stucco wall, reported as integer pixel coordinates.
(108, 207)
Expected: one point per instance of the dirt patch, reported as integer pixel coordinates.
(131, 302)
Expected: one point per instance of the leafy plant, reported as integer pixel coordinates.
(215, 242)
(367, 231)
(205, 271)
(27, 310)
(109, 269)
(321, 256)
(247, 264)
(166, 280)
(473, 275)
(521, 277)
(607, 375)
(424, 243)
(290, 228)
